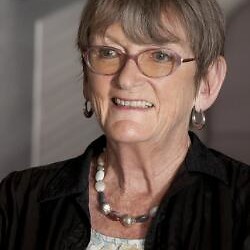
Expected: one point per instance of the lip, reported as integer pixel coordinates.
(132, 104)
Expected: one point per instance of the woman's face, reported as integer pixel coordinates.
(171, 97)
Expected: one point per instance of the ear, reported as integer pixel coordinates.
(210, 86)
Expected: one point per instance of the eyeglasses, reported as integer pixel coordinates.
(153, 63)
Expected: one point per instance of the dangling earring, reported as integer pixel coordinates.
(87, 109)
(198, 119)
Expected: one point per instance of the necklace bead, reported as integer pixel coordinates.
(128, 221)
(99, 175)
(99, 186)
(106, 208)
(100, 162)
(153, 211)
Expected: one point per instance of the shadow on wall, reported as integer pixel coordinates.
(230, 118)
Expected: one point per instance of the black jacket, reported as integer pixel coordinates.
(206, 208)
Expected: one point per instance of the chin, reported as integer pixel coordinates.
(128, 133)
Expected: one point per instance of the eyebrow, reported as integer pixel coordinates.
(173, 40)
(178, 41)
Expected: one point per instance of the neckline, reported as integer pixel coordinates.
(116, 240)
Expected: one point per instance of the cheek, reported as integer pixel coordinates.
(98, 89)
(98, 85)
(177, 97)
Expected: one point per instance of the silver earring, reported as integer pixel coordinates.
(198, 119)
(87, 109)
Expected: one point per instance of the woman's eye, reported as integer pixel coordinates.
(161, 56)
(107, 53)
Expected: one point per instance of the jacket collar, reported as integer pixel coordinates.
(72, 177)
(206, 161)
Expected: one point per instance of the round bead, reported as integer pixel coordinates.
(100, 161)
(99, 176)
(99, 186)
(153, 211)
(106, 209)
(128, 221)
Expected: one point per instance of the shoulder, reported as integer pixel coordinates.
(34, 179)
(238, 174)
(217, 167)
(42, 182)
(236, 170)
(211, 162)
(228, 177)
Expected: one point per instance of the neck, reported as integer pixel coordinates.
(145, 168)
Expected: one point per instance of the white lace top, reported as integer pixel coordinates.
(99, 241)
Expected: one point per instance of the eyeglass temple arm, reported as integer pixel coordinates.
(188, 60)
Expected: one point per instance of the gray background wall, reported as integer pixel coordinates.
(40, 85)
(230, 117)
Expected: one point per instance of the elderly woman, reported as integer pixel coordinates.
(150, 67)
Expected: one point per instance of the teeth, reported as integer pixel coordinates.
(133, 104)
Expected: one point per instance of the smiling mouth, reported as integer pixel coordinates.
(133, 103)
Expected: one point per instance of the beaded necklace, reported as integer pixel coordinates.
(105, 207)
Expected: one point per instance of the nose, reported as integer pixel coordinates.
(129, 76)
